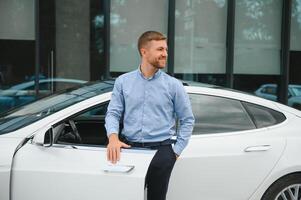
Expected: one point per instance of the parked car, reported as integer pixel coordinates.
(23, 93)
(269, 91)
(242, 147)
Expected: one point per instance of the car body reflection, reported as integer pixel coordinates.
(24, 93)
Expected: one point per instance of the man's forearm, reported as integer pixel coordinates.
(112, 124)
(185, 131)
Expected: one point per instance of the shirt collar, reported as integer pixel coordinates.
(157, 74)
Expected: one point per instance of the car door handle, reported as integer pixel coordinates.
(118, 168)
(258, 148)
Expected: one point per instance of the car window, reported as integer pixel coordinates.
(88, 127)
(263, 116)
(269, 90)
(219, 115)
(96, 111)
(296, 91)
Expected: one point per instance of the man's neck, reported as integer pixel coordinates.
(148, 70)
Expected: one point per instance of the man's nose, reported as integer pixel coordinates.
(165, 53)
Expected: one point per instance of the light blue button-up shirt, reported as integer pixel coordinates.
(149, 107)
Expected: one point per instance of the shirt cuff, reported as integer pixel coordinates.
(177, 149)
(111, 131)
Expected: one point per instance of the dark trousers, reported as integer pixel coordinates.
(159, 172)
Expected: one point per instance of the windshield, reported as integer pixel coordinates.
(41, 108)
(296, 91)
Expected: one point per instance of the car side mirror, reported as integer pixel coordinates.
(44, 139)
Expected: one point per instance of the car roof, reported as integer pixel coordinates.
(294, 85)
(233, 94)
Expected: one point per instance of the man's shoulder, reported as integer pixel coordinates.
(127, 75)
(171, 79)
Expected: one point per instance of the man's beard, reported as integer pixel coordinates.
(156, 63)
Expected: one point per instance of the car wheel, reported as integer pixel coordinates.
(286, 188)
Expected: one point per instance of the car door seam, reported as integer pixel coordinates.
(265, 178)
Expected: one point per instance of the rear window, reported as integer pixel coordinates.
(215, 114)
(262, 116)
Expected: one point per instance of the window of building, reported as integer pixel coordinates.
(257, 44)
(200, 44)
(17, 20)
(129, 19)
(295, 43)
(17, 48)
(257, 37)
(70, 44)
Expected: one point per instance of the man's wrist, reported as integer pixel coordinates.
(113, 137)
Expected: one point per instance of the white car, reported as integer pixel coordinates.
(242, 147)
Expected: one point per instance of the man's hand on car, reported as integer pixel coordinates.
(113, 148)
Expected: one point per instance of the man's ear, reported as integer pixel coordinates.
(142, 51)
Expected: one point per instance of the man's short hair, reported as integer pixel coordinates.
(149, 36)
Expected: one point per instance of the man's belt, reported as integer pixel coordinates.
(150, 144)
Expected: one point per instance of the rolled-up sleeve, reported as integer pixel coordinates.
(115, 109)
(185, 118)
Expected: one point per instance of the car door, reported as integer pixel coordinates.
(227, 157)
(77, 172)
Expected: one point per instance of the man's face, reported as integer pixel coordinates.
(155, 53)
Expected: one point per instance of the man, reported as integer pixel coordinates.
(149, 101)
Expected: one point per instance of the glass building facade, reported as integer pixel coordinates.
(248, 45)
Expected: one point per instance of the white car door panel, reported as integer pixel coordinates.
(67, 173)
(224, 167)
(7, 149)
